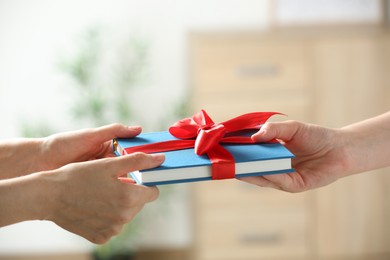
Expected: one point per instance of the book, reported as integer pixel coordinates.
(185, 166)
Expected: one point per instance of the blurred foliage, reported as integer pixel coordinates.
(180, 110)
(82, 65)
(41, 129)
(105, 72)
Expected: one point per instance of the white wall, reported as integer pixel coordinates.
(33, 35)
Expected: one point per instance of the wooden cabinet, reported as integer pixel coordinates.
(351, 85)
(236, 74)
(235, 220)
(387, 181)
(331, 78)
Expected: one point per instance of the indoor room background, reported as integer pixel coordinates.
(66, 65)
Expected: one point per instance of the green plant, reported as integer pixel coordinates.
(105, 73)
(41, 129)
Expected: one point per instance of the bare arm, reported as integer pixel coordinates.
(368, 143)
(19, 157)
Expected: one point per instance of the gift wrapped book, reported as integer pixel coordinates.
(197, 149)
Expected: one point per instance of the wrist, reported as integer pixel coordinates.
(20, 157)
(52, 148)
(45, 154)
(41, 192)
(345, 145)
(36, 155)
(30, 197)
(47, 190)
(369, 143)
(358, 150)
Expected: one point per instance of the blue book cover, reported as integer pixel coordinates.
(185, 166)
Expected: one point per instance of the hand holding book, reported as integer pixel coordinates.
(323, 155)
(72, 178)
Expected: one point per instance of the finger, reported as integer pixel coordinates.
(135, 162)
(135, 195)
(260, 181)
(108, 132)
(291, 182)
(126, 180)
(277, 130)
(143, 194)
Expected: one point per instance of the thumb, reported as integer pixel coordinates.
(108, 132)
(283, 131)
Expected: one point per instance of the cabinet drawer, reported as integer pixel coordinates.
(224, 194)
(242, 234)
(249, 65)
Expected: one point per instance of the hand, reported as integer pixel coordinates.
(82, 145)
(320, 155)
(92, 202)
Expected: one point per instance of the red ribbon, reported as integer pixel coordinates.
(201, 133)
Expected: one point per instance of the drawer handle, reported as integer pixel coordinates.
(263, 238)
(259, 70)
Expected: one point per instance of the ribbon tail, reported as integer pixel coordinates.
(243, 140)
(237, 140)
(159, 147)
(223, 164)
(248, 121)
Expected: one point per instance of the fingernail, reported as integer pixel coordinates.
(259, 133)
(158, 157)
(126, 180)
(134, 127)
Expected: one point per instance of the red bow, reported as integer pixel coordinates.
(201, 133)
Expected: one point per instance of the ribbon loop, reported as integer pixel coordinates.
(184, 129)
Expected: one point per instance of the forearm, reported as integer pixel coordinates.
(26, 198)
(368, 143)
(19, 157)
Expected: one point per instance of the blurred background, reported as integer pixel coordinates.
(66, 65)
